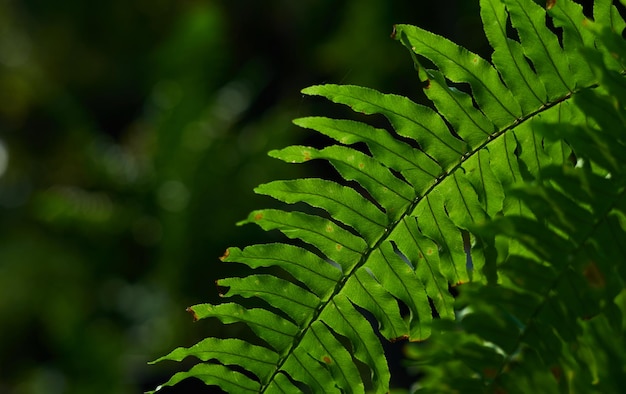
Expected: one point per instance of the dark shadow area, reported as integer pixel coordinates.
(131, 137)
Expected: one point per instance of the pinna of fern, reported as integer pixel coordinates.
(409, 219)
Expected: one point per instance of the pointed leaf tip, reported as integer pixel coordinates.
(310, 90)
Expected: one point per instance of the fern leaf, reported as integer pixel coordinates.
(605, 11)
(217, 375)
(477, 191)
(295, 301)
(568, 15)
(391, 193)
(345, 320)
(418, 169)
(259, 360)
(541, 46)
(408, 119)
(325, 347)
(508, 57)
(342, 203)
(270, 327)
(319, 276)
(460, 65)
(337, 243)
(458, 109)
(408, 286)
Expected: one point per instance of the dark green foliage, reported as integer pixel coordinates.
(514, 191)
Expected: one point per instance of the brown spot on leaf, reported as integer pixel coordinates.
(550, 4)
(401, 338)
(225, 255)
(327, 360)
(307, 155)
(193, 313)
(339, 247)
(361, 165)
(594, 276)
(258, 216)
(490, 373)
(557, 372)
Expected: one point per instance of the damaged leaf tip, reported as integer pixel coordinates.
(193, 313)
(225, 255)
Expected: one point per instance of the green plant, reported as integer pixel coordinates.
(515, 190)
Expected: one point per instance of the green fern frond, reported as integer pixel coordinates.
(422, 218)
(561, 294)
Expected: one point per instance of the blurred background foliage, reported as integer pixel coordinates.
(131, 136)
